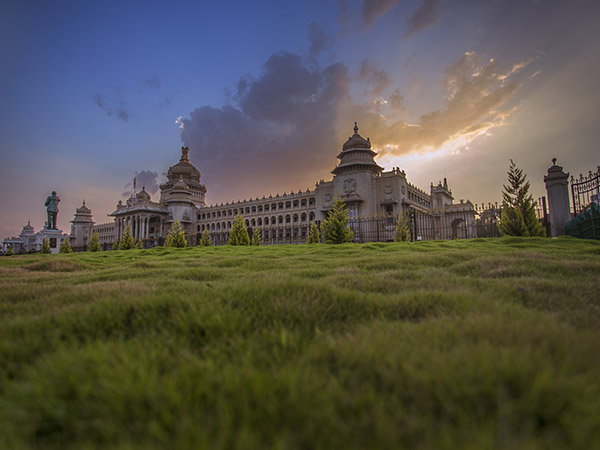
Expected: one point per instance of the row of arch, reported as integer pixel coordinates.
(258, 209)
(266, 221)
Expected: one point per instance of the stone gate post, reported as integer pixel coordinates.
(557, 187)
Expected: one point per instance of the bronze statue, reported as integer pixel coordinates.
(52, 210)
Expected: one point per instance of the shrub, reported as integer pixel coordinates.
(9, 251)
(139, 244)
(335, 227)
(205, 239)
(127, 242)
(314, 235)
(256, 237)
(45, 249)
(518, 216)
(401, 232)
(176, 237)
(94, 244)
(239, 233)
(115, 245)
(65, 247)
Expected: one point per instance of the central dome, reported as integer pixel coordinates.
(184, 169)
(356, 141)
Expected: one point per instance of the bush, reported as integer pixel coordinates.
(335, 227)
(115, 245)
(314, 235)
(205, 239)
(65, 247)
(176, 237)
(518, 216)
(239, 233)
(45, 249)
(139, 244)
(94, 244)
(256, 237)
(401, 232)
(127, 242)
(9, 251)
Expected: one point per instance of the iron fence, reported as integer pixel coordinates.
(585, 191)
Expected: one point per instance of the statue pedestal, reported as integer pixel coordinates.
(55, 238)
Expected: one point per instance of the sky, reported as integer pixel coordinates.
(265, 93)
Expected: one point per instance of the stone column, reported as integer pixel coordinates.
(557, 187)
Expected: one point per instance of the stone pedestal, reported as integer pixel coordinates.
(55, 238)
(557, 187)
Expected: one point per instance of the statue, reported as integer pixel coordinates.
(52, 210)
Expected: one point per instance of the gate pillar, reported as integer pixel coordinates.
(557, 187)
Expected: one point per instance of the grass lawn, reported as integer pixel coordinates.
(449, 344)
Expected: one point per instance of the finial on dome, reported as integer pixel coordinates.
(355, 128)
(184, 153)
(84, 202)
(553, 161)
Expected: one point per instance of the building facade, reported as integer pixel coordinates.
(369, 192)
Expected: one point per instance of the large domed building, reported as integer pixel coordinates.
(368, 191)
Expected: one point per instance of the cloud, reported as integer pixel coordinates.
(376, 78)
(284, 127)
(318, 39)
(144, 179)
(428, 14)
(111, 109)
(152, 82)
(373, 9)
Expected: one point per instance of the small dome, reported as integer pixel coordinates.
(28, 228)
(184, 169)
(143, 196)
(83, 209)
(356, 141)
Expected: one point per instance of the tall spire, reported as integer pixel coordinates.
(355, 128)
(184, 153)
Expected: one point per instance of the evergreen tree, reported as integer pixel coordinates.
(205, 239)
(239, 233)
(9, 251)
(45, 247)
(127, 242)
(115, 245)
(176, 237)
(139, 244)
(314, 235)
(94, 244)
(518, 216)
(401, 232)
(335, 227)
(256, 237)
(65, 247)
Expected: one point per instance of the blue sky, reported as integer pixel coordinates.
(267, 92)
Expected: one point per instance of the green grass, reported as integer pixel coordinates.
(464, 344)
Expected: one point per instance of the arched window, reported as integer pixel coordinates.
(212, 226)
(295, 218)
(296, 203)
(280, 206)
(266, 221)
(259, 222)
(247, 223)
(253, 222)
(273, 220)
(303, 217)
(228, 225)
(287, 218)
(254, 210)
(280, 219)
(311, 216)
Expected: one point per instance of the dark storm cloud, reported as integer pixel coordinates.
(111, 109)
(318, 39)
(283, 118)
(144, 179)
(428, 14)
(374, 77)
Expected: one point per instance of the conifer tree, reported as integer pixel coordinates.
(239, 233)
(314, 235)
(176, 237)
(205, 239)
(9, 251)
(256, 237)
(127, 242)
(115, 245)
(518, 216)
(335, 227)
(401, 231)
(45, 249)
(139, 244)
(94, 244)
(65, 247)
